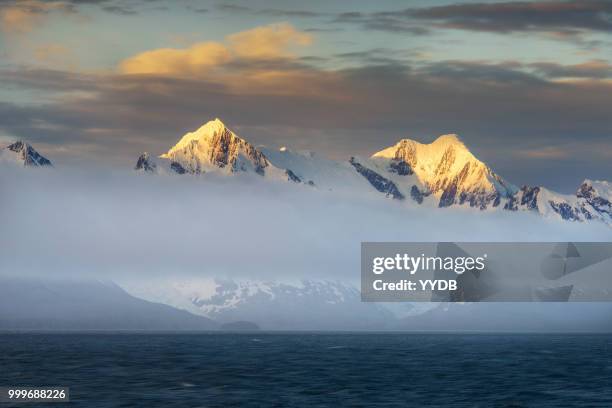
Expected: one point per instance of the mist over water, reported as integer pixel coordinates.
(117, 224)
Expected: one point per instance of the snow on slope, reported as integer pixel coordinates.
(215, 148)
(317, 171)
(395, 179)
(446, 169)
(23, 154)
(145, 164)
(590, 188)
(304, 305)
(592, 201)
(443, 173)
(597, 195)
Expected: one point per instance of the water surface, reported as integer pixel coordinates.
(314, 369)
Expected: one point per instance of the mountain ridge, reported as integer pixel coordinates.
(447, 169)
(214, 147)
(55, 303)
(22, 153)
(443, 173)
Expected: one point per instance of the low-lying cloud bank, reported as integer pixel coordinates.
(119, 225)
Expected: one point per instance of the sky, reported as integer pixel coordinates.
(527, 85)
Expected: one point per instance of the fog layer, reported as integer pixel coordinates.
(123, 225)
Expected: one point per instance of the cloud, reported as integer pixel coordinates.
(120, 9)
(267, 42)
(596, 69)
(381, 56)
(383, 21)
(49, 80)
(260, 43)
(547, 152)
(566, 20)
(54, 54)
(120, 225)
(272, 12)
(189, 61)
(23, 16)
(200, 10)
(562, 16)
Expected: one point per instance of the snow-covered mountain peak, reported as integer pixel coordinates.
(595, 188)
(595, 200)
(443, 173)
(427, 156)
(448, 169)
(22, 153)
(406, 148)
(451, 138)
(214, 147)
(210, 132)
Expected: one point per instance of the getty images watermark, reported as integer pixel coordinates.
(486, 272)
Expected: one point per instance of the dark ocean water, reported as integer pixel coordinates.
(311, 370)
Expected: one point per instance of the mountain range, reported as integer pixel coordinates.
(278, 305)
(28, 303)
(60, 304)
(443, 173)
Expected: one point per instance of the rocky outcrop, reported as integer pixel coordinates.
(377, 181)
(145, 164)
(21, 152)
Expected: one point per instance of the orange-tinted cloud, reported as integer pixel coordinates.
(272, 41)
(549, 152)
(169, 61)
(261, 43)
(54, 55)
(25, 15)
